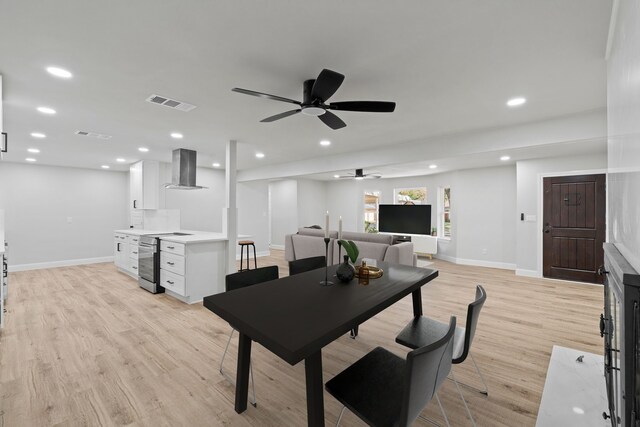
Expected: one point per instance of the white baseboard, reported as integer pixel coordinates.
(258, 255)
(278, 247)
(54, 264)
(477, 262)
(527, 273)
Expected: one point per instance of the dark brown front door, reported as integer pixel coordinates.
(574, 227)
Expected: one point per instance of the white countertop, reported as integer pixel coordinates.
(193, 237)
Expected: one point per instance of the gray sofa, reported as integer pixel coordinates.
(310, 242)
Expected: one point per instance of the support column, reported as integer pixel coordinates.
(230, 214)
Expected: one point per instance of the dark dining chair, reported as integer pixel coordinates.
(240, 280)
(386, 390)
(423, 331)
(305, 264)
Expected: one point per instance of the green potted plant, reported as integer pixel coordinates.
(346, 271)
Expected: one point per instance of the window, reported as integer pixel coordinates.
(416, 196)
(444, 210)
(371, 202)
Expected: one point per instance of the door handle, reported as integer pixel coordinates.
(5, 142)
(118, 247)
(547, 228)
(170, 282)
(134, 204)
(170, 263)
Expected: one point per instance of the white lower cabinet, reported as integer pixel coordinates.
(190, 272)
(125, 253)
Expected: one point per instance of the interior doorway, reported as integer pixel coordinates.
(574, 227)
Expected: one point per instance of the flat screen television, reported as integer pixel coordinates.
(405, 219)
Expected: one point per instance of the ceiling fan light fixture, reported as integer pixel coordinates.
(313, 111)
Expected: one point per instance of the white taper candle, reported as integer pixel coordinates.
(326, 225)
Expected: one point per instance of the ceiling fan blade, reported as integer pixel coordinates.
(326, 84)
(364, 106)
(280, 116)
(265, 95)
(331, 120)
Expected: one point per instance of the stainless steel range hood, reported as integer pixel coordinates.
(184, 167)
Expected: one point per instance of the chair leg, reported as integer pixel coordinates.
(253, 401)
(473, 423)
(255, 258)
(354, 332)
(486, 389)
(241, 256)
(444, 414)
(340, 417)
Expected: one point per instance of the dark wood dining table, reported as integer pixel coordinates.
(295, 317)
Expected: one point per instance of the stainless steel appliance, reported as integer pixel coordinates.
(149, 261)
(620, 328)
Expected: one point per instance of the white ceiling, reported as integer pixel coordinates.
(449, 65)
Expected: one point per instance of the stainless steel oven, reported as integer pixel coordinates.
(149, 263)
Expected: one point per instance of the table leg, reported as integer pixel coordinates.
(315, 390)
(242, 373)
(417, 302)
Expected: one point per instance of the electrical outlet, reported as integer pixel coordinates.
(484, 251)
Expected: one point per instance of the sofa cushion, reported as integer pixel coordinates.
(308, 246)
(386, 239)
(316, 232)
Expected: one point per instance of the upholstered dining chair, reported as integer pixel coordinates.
(240, 280)
(305, 264)
(385, 390)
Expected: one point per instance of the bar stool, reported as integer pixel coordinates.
(247, 244)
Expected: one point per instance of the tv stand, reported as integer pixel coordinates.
(400, 239)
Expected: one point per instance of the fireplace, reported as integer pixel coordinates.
(620, 328)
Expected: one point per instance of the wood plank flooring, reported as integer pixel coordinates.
(85, 346)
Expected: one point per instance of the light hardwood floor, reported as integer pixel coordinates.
(86, 346)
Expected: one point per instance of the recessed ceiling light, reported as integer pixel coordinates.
(359, 178)
(433, 166)
(105, 166)
(38, 135)
(30, 159)
(505, 158)
(120, 160)
(46, 110)
(578, 410)
(515, 102)
(336, 176)
(59, 72)
(325, 143)
(177, 135)
(33, 150)
(143, 149)
(216, 165)
(260, 155)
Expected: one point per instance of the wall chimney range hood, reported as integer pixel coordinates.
(183, 176)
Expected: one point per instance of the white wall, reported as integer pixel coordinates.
(38, 200)
(253, 213)
(284, 210)
(312, 202)
(199, 209)
(528, 250)
(623, 85)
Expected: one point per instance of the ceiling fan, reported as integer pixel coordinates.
(360, 175)
(314, 97)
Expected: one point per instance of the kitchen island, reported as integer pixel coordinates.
(192, 264)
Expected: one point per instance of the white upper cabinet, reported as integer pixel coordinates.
(144, 182)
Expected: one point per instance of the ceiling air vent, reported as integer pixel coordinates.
(93, 134)
(171, 103)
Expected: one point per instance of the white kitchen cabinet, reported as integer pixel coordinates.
(191, 271)
(125, 253)
(144, 185)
